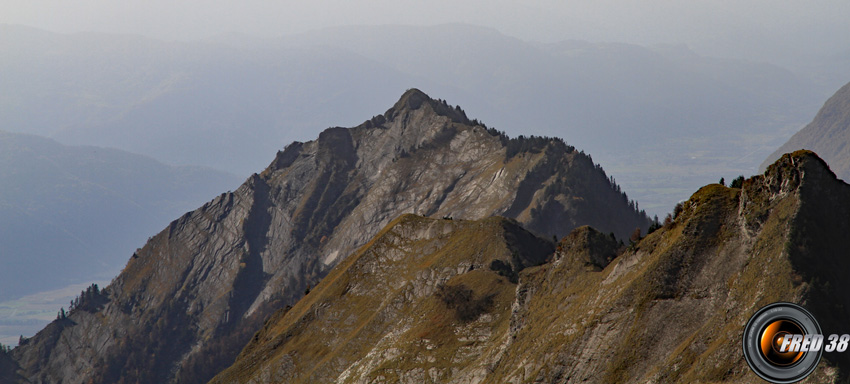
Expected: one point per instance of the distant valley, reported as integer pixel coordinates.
(73, 214)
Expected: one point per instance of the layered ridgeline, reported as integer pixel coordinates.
(422, 301)
(828, 135)
(439, 301)
(190, 299)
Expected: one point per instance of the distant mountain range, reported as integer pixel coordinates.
(71, 214)
(225, 102)
(188, 301)
(828, 135)
(372, 254)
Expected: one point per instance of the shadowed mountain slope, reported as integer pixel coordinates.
(195, 293)
(828, 135)
(670, 308)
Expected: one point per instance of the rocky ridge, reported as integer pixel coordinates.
(189, 299)
(670, 308)
(401, 299)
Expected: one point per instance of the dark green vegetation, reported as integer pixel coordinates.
(461, 299)
(828, 135)
(89, 300)
(738, 182)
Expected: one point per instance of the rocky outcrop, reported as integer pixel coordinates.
(428, 295)
(188, 300)
(672, 307)
(669, 309)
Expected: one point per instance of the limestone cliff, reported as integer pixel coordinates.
(669, 309)
(188, 300)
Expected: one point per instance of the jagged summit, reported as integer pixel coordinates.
(414, 99)
(411, 99)
(587, 248)
(190, 298)
(669, 308)
(422, 132)
(802, 160)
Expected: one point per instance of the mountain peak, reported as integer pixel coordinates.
(413, 100)
(796, 166)
(805, 157)
(587, 248)
(448, 296)
(213, 275)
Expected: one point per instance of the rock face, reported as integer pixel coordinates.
(828, 135)
(8, 369)
(670, 308)
(187, 302)
(426, 297)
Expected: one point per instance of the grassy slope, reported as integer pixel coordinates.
(669, 309)
(672, 309)
(386, 297)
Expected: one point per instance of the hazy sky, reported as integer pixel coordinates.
(763, 29)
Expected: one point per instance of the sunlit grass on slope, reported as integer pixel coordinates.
(383, 300)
